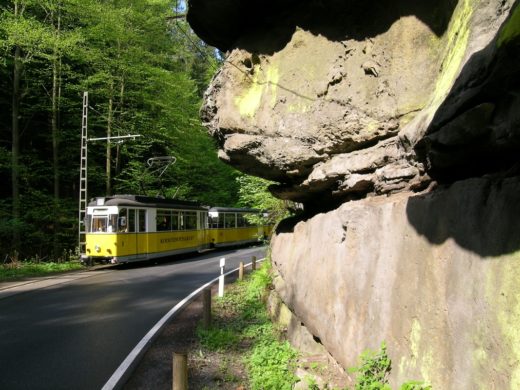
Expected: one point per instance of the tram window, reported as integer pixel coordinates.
(212, 222)
(131, 221)
(203, 220)
(190, 220)
(99, 223)
(240, 220)
(112, 223)
(229, 220)
(121, 222)
(175, 220)
(142, 220)
(86, 222)
(164, 220)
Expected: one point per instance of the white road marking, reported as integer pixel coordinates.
(122, 373)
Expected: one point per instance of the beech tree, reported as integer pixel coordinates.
(145, 72)
(254, 192)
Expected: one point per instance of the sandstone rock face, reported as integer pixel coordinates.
(434, 275)
(397, 125)
(311, 92)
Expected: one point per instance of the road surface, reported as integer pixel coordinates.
(75, 334)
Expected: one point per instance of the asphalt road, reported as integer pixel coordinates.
(74, 335)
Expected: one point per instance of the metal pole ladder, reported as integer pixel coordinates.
(83, 178)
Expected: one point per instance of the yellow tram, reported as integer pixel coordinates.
(125, 228)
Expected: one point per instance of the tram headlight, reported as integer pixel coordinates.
(97, 248)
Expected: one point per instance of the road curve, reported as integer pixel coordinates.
(74, 335)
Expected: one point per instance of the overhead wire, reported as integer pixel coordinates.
(114, 126)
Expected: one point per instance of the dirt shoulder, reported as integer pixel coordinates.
(217, 370)
(206, 369)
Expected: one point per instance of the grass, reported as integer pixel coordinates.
(242, 331)
(250, 352)
(24, 269)
(372, 373)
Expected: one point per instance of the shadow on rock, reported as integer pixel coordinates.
(476, 130)
(221, 23)
(481, 215)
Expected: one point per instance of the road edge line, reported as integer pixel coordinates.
(125, 369)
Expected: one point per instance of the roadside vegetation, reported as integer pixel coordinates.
(18, 269)
(250, 349)
(373, 370)
(145, 72)
(243, 349)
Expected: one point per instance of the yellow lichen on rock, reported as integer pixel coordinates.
(262, 82)
(511, 28)
(503, 292)
(421, 360)
(456, 42)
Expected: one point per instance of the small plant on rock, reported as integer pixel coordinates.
(372, 373)
(373, 370)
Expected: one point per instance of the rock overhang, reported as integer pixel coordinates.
(331, 109)
(221, 23)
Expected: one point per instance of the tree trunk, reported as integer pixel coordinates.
(15, 146)
(109, 149)
(56, 142)
(121, 121)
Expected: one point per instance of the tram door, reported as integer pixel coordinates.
(142, 238)
(137, 243)
(203, 229)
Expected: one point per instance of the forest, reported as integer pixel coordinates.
(145, 72)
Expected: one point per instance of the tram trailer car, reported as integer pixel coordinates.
(230, 226)
(126, 228)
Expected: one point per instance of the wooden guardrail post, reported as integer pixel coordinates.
(221, 277)
(253, 263)
(241, 271)
(206, 307)
(180, 371)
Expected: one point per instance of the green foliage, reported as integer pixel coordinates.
(216, 339)
(9, 271)
(246, 305)
(145, 75)
(253, 192)
(258, 282)
(311, 383)
(415, 385)
(240, 318)
(269, 365)
(373, 370)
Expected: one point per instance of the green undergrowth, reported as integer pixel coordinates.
(373, 370)
(240, 322)
(22, 269)
(241, 326)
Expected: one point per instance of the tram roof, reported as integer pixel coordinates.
(145, 201)
(233, 210)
